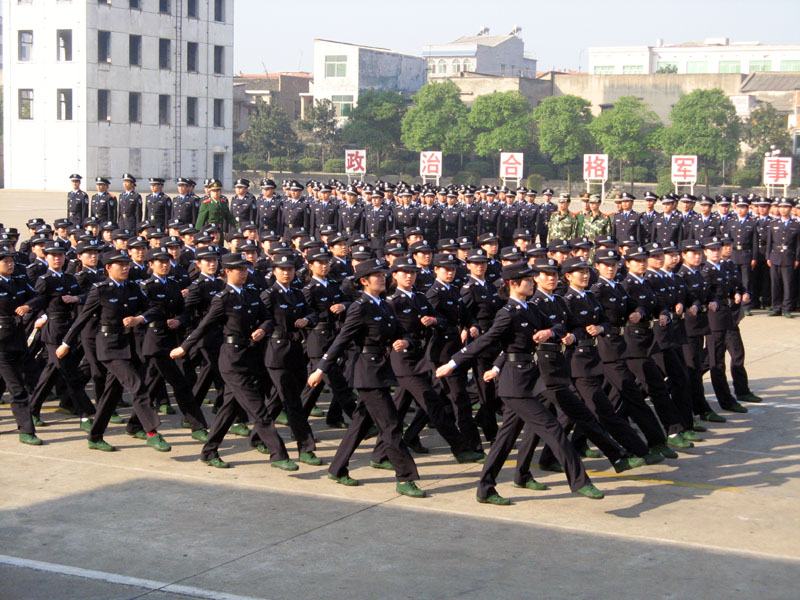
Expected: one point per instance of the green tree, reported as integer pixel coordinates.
(766, 128)
(437, 120)
(269, 131)
(374, 122)
(501, 120)
(704, 123)
(563, 128)
(626, 132)
(667, 69)
(321, 124)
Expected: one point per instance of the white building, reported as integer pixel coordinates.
(342, 71)
(104, 87)
(714, 55)
(500, 55)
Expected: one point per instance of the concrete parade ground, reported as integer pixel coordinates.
(722, 521)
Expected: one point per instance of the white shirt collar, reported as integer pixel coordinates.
(373, 298)
(578, 292)
(238, 290)
(636, 277)
(609, 282)
(409, 293)
(280, 285)
(548, 296)
(446, 285)
(520, 302)
(322, 281)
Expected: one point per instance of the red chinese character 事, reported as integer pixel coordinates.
(355, 161)
(594, 167)
(776, 171)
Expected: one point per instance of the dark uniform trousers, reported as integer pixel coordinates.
(717, 343)
(673, 366)
(129, 375)
(11, 372)
(343, 401)
(67, 369)
(167, 368)
(693, 353)
(628, 399)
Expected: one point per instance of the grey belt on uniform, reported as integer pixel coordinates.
(614, 330)
(235, 339)
(587, 343)
(289, 337)
(114, 329)
(517, 357)
(9, 320)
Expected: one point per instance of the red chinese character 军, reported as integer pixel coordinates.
(684, 168)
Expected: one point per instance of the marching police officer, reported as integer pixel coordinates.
(77, 202)
(783, 257)
(743, 231)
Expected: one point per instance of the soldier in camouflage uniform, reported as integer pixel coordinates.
(595, 223)
(562, 224)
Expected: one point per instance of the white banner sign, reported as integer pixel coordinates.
(430, 164)
(511, 165)
(777, 170)
(355, 161)
(684, 169)
(595, 167)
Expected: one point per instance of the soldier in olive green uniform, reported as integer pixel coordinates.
(215, 209)
(562, 224)
(594, 223)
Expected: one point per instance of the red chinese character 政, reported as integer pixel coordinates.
(355, 162)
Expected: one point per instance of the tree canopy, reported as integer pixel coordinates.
(562, 124)
(501, 120)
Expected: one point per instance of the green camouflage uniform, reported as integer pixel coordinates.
(594, 226)
(561, 227)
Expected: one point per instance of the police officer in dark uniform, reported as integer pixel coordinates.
(119, 305)
(130, 203)
(77, 201)
(103, 204)
(451, 217)
(242, 203)
(627, 222)
(518, 329)
(351, 213)
(160, 338)
(404, 213)
(370, 324)
(546, 210)
(428, 216)
(471, 214)
(324, 211)
(295, 211)
(185, 205)
(243, 319)
(508, 221)
(158, 206)
(377, 222)
(743, 231)
(648, 217)
(668, 225)
(490, 212)
(783, 257)
(268, 207)
(17, 298)
(704, 223)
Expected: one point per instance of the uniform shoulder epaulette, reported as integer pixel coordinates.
(207, 201)
(507, 307)
(359, 301)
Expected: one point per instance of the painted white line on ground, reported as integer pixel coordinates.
(115, 578)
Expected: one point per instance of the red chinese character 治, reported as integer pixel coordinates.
(594, 167)
(431, 165)
(355, 161)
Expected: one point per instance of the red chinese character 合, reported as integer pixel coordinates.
(511, 166)
(355, 162)
(776, 171)
(684, 168)
(595, 167)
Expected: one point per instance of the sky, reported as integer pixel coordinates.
(276, 36)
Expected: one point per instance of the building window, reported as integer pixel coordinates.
(25, 46)
(335, 65)
(191, 9)
(343, 105)
(790, 65)
(103, 105)
(219, 11)
(134, 107)
(467, 65)
(163, 109)
(163, 7)
(219, 113)
(64, 44)
(667, 67)
(163, 53)
(697, 66)
(106, 2)
(64, 105)
(456, 65)
(730, 66)
(135, 50)
(219, 60)
(25, 104)
(431, 67)
(219, 165)
(103, 46)
(632, 69)
(760, 65)
(604, 70)
(191, 57)
(134, 4)
(442, 66)
(191, 111)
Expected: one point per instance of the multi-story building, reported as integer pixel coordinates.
(714, 55)
(342, 71)
(500, 55)
(282, 89)
(103, 87)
